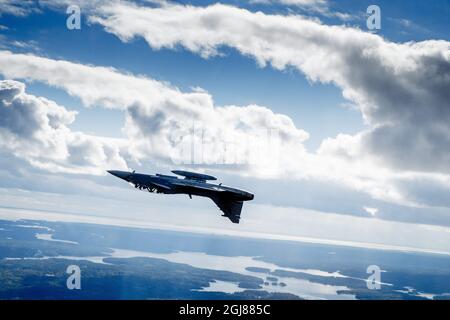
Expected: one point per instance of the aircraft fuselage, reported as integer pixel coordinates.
(228, 199)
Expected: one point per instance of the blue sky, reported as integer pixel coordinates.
(317, 107)
(231, 79)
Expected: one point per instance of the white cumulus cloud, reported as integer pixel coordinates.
(401, 89)
(37, 130)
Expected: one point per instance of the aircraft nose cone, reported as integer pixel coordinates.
(120, 174)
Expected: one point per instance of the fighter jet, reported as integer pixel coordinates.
(229, 200)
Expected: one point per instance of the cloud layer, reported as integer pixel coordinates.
(163, 123)
(401, 89)
(160, 121)
(37, 130)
